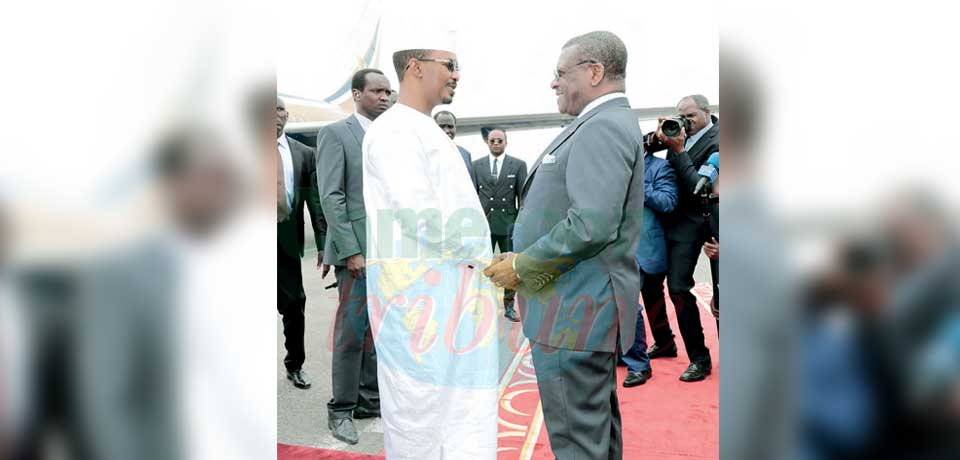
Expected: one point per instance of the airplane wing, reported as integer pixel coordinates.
(307, 131)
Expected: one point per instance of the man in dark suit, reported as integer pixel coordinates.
(296, 179)
(577, 234)
(660, 197)
(340, 173)
(686, 232)
(499, 179)
(448, 123)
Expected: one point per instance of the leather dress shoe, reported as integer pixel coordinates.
(696, 372)
(299, 379)
(637, 378)
(511, 314)
(344, 430)
(360, 413)
(657, 351)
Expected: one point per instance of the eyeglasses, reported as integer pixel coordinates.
(558, 74)
(451, 64)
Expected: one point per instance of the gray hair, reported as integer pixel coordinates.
(698, 99)
(605, 48)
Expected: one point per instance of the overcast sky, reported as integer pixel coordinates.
(508, 51)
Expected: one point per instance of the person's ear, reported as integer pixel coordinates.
(597, 71)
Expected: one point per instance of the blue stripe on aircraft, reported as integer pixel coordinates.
(367, 60)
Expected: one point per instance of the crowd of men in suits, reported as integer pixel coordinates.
(328, 181)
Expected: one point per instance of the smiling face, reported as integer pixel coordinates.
(374, 99)
(439, 81)
(572, 82)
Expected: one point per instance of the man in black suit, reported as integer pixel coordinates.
(296, 186)
(686, 233)
(499, 179)
(447, 121)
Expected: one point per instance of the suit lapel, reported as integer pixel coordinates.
(698, 150)
(355, 129)
(297, 158)
(566, 133)
(505, 169)
(484, 172)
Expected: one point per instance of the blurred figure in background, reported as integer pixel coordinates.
(755, 392)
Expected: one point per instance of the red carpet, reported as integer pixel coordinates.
(285, 452)
(663, 419)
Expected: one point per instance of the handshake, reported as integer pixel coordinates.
(502, 273)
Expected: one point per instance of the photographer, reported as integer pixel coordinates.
(686, 230)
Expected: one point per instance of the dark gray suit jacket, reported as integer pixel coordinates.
(500, 196)
(340, 176)
(577, 231)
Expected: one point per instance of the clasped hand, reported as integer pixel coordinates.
(501, 271)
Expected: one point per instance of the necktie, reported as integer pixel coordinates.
(495, 160)
(282, 210)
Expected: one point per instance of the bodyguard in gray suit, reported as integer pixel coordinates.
(340, 177)
(499, 179)
(576, 237)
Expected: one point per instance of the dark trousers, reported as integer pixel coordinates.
(580, 407)
(683, 261)
(291, 302)
(715, 302)
(354, 363)
(506, 245)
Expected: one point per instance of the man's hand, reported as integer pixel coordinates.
(357, 266)
(712, 249)
(675, 143)
(501, 272)
(324, 268)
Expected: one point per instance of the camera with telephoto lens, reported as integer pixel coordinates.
(672, 126)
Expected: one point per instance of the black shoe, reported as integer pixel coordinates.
(696, 372)
(637, 378)
(344, 430)
(511, 314)
(299, 379)
(657, 351)
(359, 413)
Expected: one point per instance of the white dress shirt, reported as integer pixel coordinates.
(499, 161)
(692, 140)
(600, 100)
(364, 121)
(287, 158)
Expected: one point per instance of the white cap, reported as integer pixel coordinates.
(427, 36)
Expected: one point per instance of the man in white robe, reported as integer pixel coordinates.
(433, 315)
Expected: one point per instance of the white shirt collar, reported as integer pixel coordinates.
(364, 121)
(600, 100)
(696, 137)
(282, 140)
